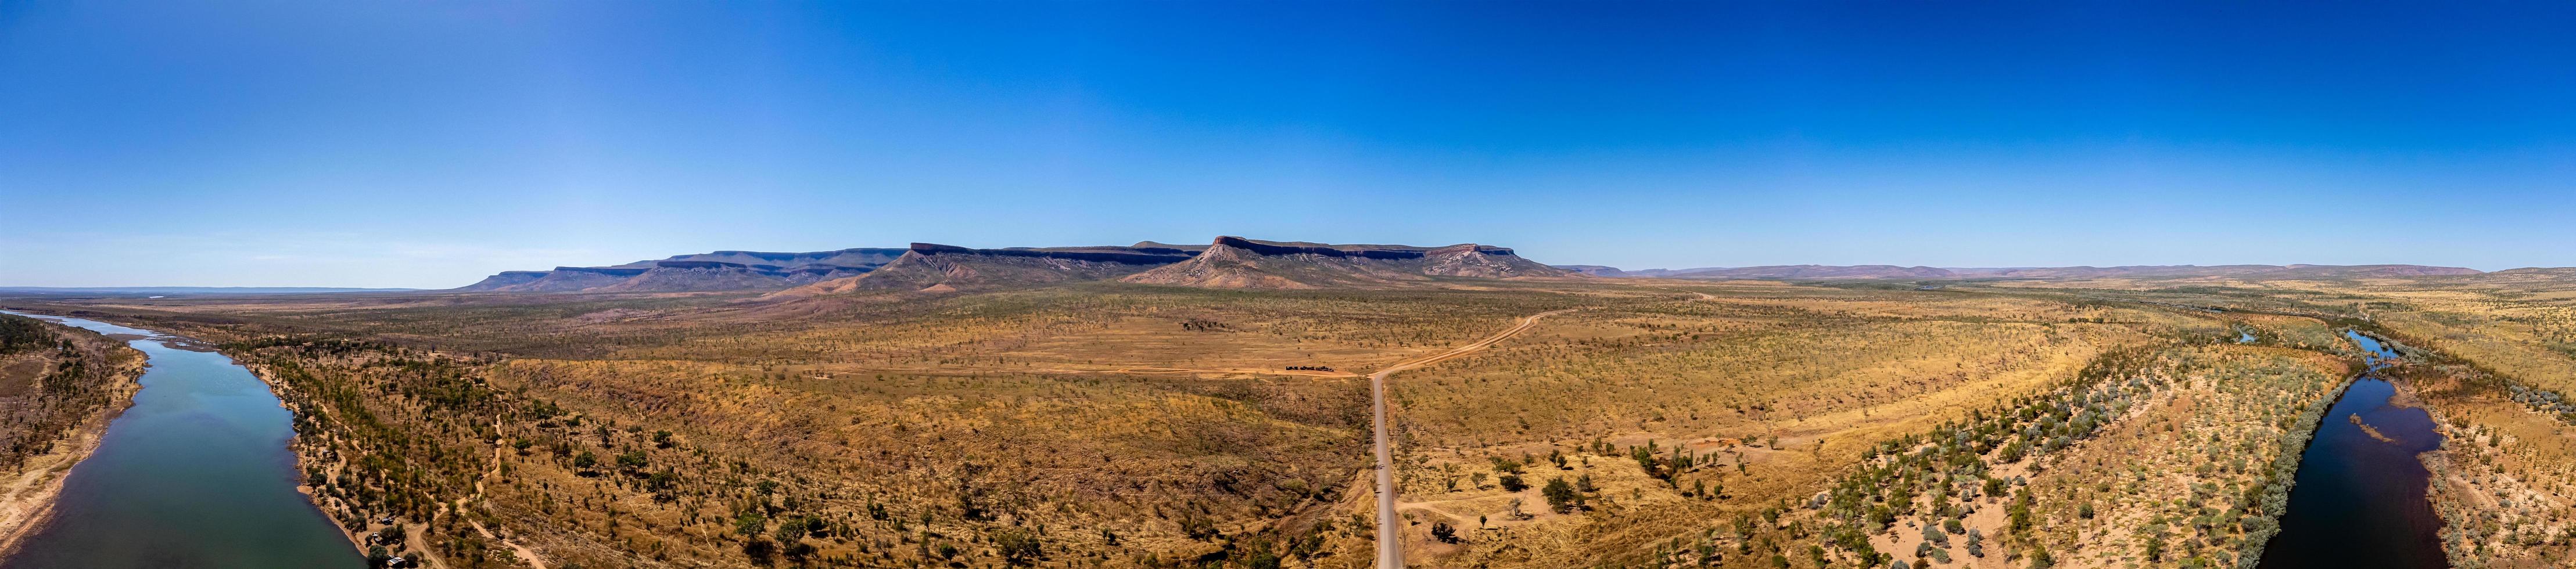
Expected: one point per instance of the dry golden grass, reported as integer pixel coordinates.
(1123, 425)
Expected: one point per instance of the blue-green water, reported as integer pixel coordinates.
(196, 474)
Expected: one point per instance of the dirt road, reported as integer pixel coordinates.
(1390, 551)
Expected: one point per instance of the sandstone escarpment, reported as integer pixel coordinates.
(717, 271)
(931, 266)
(1236, 262)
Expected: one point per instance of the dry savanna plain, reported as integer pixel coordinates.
(2118, 423)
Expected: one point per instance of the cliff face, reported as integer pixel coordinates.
(1236, 262)
(935, 267)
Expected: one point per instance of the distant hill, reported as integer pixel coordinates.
(1830, 272)
(717, 271)
(1795, 272)
(190, 289)
(1236, 262)
(937, 268)
(1594, 270)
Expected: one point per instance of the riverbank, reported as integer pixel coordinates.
(316, 453)
(191, 473)
(2283, 476)
(2358, 496)
(37, 483)
(2495, 485)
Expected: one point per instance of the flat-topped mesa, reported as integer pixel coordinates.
(1236, 262)
(575, 279)
(504, 279)
(1104, 254)
(1484, 261)
(1300, 248)
(702, 272)
(855, 257)
(1594, 270)
(933, 267)
(708, 265)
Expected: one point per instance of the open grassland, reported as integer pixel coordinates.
(1677, 417)
(2195, 474)
(1114, 425)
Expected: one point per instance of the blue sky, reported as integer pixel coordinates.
(427, 144)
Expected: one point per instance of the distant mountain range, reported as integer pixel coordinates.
(1241, 263)
(1829, 272)
(939, 268)
(190, 289)
(1226, 262)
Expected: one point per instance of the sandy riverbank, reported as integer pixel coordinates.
(32, 489)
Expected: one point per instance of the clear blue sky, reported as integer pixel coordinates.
(427, 144)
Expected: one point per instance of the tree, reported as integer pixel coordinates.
(1017, 547)
(1513, 483)
(1561, 496)
(2019, 511)
(632, 460)
(1444, 533)
(794, 528)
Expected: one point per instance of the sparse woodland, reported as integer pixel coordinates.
(1663, 424)
(60, 386)
(53, 379)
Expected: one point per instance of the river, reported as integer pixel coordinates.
(195, 474)
(2359, 501)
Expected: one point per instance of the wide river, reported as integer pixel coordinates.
(2359, 501)
(196, 474)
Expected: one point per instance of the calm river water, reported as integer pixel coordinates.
(196, 474)
(2359, 501)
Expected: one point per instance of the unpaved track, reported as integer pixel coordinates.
(1390, 551)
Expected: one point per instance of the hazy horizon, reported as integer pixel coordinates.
(428, 145)
(471, 279)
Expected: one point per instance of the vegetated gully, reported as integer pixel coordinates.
(2358, 500)
(196, 474)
